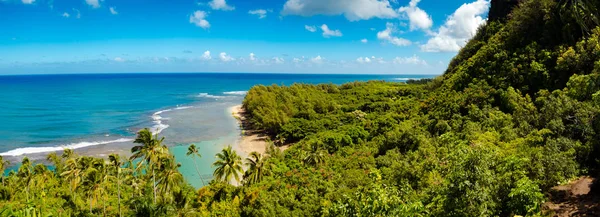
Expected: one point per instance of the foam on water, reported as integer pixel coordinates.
(206, 95)
(240, 93)
(37, 150)
(159, 126)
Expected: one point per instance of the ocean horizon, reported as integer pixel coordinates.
(98, 114)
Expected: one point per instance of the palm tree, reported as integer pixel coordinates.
(182, 204)
(116, 164)
(150, 151)
(192, 150)
(93, 177)
(72, 173)
(169, 176)
(68, 153)
(3, 164)
(57, 161)
(314, 156)
(585, 13)
(131, 179)
(257, 168)
(228, 165)
(26, 174)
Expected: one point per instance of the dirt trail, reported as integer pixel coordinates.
(574, 199)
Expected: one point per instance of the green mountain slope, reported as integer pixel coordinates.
(516, 113)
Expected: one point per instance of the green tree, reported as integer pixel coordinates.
(257, 166)
(194, 152)
(72, 173)
(314, 155)
(150, 151)
(228, 165)
(25, 173)
(169, 178)
(3, 164)
(116, 164)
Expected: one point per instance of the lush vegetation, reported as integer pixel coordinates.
(517, 112)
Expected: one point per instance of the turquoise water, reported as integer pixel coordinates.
(99, 114)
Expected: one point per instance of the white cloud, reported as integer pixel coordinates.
(225, 58)
(78, 13)
(261, 13)
(353, 10)
(119, 59)
(378, 59)
(418, 18)
(113, 11)
(317, 59)
(199, 19)
(372, 59)
(278, 60)
(93, 3)
(252, 57)
(386, 35)
(65, 14)
(330, 33)
(364, 41)
(297, 60)
(220, 5)
(363, 60)
(310, 28)
(27, 2)
(459, 28)
(206, 55)
(410, 60)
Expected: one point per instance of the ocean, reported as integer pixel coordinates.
(98, 114)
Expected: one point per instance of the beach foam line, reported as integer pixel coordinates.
(240, 93)
(37, 150)
(206, 95)
(159, 126)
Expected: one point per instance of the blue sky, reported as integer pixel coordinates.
(286, 36)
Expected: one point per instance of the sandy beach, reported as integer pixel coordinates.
(250, 140)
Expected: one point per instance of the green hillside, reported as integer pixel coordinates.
(516, 113)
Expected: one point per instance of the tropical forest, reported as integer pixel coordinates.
(516, 113)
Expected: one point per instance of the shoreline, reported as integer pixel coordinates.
(250, 140)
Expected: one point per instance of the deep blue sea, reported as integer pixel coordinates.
(97, 114)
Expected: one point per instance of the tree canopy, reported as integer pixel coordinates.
(516, 113)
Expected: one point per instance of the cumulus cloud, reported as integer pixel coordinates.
(458, 28)
(225, 58)
(198, 18)
(317, 59)
(252, 57)
(27, 2)
(298, 60)
(206, 55)
(261, 13)
(113, 11)
(364, 41)
(410, 60)
(353, 10)
(220, 5)
(278, 60)
(418, 18)
(310, 28)
(93, 3)
(363, 60)
(386, 35)
(330, 33)
(119, 59)
(65, 14)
